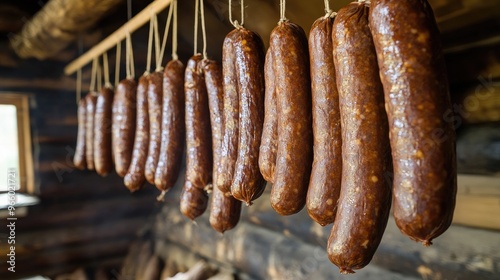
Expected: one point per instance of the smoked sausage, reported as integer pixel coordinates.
(79, 159)
(172, 127)
(193, 201)
(124, 105)
(224, 210)
(365, 196)
(269, 140)
(89, 129)
(197, 118)
(230, 139)
(326, 173)
(102, 132)
(248, 183)
(417, 97)
(155, 99)
(135, 178)
(293, 98)
(213, 80)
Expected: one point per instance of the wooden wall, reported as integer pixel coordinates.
(83, 219)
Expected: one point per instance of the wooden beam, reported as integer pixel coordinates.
(57, 25)
(135, 23)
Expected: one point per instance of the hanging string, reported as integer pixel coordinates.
(79, 73)
(150, 46)
(165, 35)
(93, 75)
(203, 30)
(129, 57)
(328, 12)
(174, 33)
(99, 77)
(105, 65)
(117, 63)
(196, 8)
(242, 11)
(282, 10)
(158, 56)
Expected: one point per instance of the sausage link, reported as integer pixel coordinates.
(123, 127)
(172, 130)
(269, 141)
(89, 129)
(293, 98)
(413, 73)
(193, 201)
(229, 148)
(224, 211)
(248, 183)
(213, 80)
(79, 159)
(135, 178)
(198, 135)
(102, 132)
(326, 173)
(365, 197)
(155, 95)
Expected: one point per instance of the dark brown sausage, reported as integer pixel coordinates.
(248, 184)
(124, 104)
(79, 159)
(224, 211)
(213, 80)
(326, 173)
(198, 135)
(89, 129)
(194, 201)
(293, 97)
(365, 197)
(135, 178)
(155, 99)
(269, 141)
(230, 138)
(172, 129)
(102, 132)
(413, 73)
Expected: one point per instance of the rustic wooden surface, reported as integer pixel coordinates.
(266, 244)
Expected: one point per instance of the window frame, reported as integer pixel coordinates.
(26, 171)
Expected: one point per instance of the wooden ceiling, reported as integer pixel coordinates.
(462, 22)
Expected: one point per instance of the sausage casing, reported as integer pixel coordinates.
(79, 159)
(413, 73)
(269, 140)
(89, 129)
(248, 183)
(224, 211)
(326, 173)
(198, 135)
(124, 105)
(229, 148)
(293, 98)
(172, 130)
(213, 80)
(103, 157)
(155, 99)
(365, 196)
(193, 201)
(135, 178)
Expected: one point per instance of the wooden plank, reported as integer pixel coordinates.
(110, 42)
(478, 211)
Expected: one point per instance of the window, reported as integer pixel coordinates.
(15, 143)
